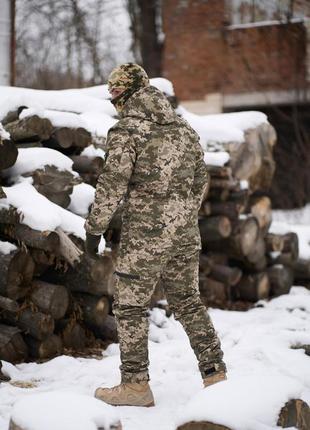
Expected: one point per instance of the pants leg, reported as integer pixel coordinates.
(138, 271)
(180, 282)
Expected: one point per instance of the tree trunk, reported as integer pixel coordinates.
(12, 346)
(50, 298)
(229, 209)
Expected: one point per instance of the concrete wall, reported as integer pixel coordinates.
(5, 42)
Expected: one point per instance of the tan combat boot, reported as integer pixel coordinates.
(127, 394)
(214, 378)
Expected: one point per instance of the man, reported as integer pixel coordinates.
(155, 166)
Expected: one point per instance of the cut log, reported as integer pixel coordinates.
(295, 414)
(241, 240)
(12, 346)
(252, 287)
(3, 377)
(256, 259)
(31, 128)
(67, 248)
(36, 324)
(218, 194)
(50, 298)
(10, 215)
(83, 164)
(229, 209)
(108, 330)
(227, 275)
(225, 184)
(219, 171)
(73, 334)
(16, 272)
(214, 291)
(8, 154)
(88, 276)
(65, 137)
(214, 228)
(95, 309)
(196, 425)
(261, 210)
(290, 251)
(60, 198)
(46, 240)
(12, 115)
(243, 237)
(302, 269)
(8, 304)
(281, 279)
(274, 242)
(42, 260)
(47, 348)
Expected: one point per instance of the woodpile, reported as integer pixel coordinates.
(241, 260)
(53, 297)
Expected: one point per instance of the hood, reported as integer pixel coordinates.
(151, 104)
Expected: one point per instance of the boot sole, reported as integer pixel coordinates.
(149, 405)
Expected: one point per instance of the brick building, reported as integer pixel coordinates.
(223, 54)
(230, 55)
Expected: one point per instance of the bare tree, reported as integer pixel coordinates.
(146, 26)
(70, 43)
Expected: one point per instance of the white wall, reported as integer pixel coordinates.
(5, 42)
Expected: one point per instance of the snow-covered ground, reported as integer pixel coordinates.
(263, 370)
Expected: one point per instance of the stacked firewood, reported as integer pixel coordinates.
(53, 297)
(241, 261)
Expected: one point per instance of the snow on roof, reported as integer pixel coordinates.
(63, 411)
(30, 159)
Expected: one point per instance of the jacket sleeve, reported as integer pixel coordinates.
(113, 182)
(201, 182)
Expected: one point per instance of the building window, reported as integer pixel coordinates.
(251, 11)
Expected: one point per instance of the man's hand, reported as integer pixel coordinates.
(91, 244)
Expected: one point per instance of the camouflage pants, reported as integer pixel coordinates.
(139, 269)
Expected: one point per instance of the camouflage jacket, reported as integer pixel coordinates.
(155, 165)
